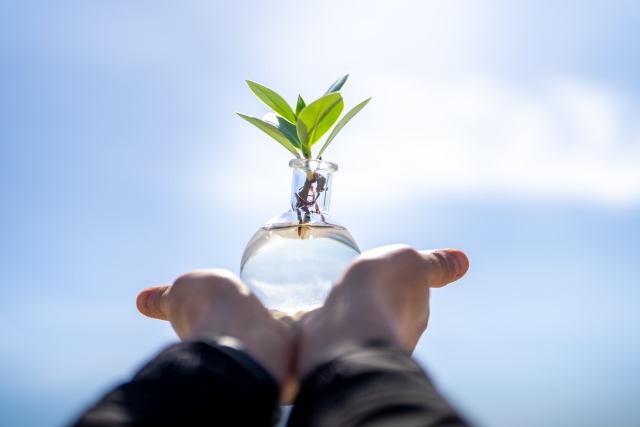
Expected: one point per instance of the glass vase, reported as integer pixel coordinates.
(292, 262)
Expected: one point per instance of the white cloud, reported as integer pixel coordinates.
(568, 140)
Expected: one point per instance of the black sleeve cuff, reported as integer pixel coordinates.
(371, 385)
(200, 383)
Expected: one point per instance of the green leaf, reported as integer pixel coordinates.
(355, 110)
(272, 131)
(317, 118)
(300, 105)
(337, 85)
(286, 128)
(303, 135)
(272, 100)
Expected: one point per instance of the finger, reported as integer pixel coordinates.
(445, 266)
(152, 302)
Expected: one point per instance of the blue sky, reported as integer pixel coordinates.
(510, 130)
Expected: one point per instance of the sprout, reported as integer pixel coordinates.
(300, 130)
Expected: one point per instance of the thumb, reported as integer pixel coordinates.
(445, 266)
(152, 302)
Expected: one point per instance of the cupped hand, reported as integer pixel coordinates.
(207, 304)
(382, 297)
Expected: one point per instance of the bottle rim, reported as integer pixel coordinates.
(313, 165)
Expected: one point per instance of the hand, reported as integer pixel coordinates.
(206, 304)
(383, 296)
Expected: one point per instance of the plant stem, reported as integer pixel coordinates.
(304, 192)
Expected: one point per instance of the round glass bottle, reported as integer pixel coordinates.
(293, 260)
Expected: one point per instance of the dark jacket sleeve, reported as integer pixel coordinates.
(371, 386)
(191, 384)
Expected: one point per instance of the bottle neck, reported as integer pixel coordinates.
(310, 192)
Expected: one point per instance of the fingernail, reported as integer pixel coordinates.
(460, 262)
(143, 301)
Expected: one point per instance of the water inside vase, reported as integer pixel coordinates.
(292, 267)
